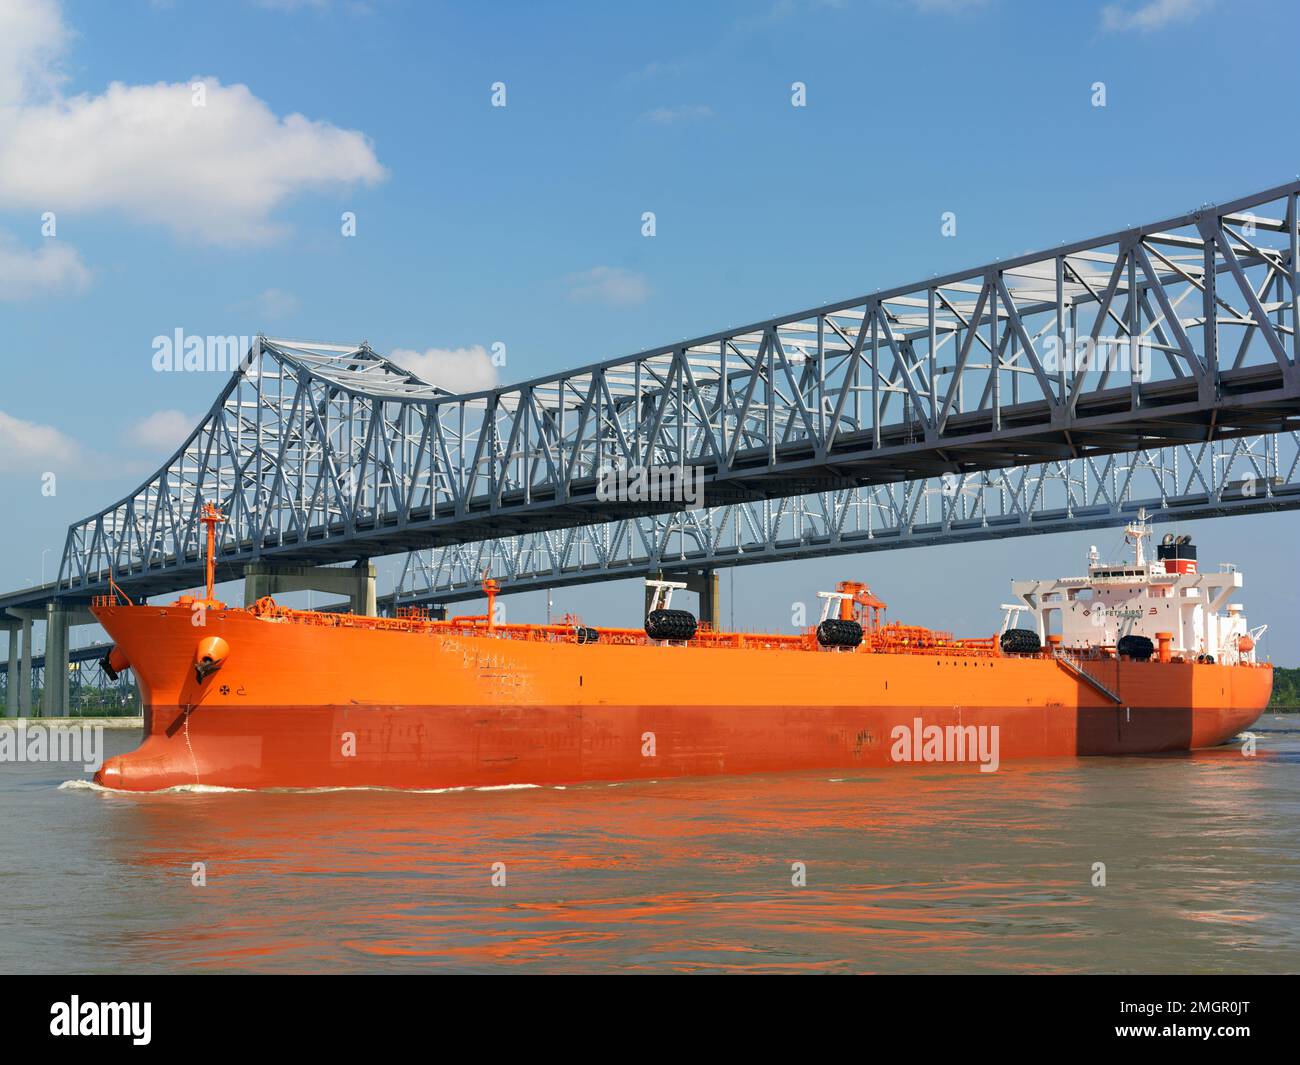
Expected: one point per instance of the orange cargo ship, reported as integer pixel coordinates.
(1133, 658)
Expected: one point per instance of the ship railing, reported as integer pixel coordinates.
(914, 640)
(893, 638)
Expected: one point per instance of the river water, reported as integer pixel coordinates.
(911, 870)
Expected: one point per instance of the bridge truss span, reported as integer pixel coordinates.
(1239, 476)
(1177, 332)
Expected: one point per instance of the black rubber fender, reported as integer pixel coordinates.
(834, 632)
(1020, 642)
(1138, 648)
(670, 625)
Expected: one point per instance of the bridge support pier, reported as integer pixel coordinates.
(271, 578)
(704, 583)
(59, 619)
(11, 677)
(20, 683)
(54, 694)
(25, 671)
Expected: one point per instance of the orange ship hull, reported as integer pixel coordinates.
(303, 701)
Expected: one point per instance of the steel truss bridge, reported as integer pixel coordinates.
(321, 453)
(88, 679)
(1241, 475)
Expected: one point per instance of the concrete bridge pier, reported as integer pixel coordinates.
(704, 583)
(19, 703)
(25, 670)
(59, 619)
(11, 626)
(357, 582)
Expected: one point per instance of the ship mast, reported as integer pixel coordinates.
(211, 517)
(1136, 532)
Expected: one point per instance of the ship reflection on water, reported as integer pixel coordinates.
(916, 869)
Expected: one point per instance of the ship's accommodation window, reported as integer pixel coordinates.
(1081, 593)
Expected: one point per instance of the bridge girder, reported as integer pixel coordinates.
(1239, 476)
(322, 453)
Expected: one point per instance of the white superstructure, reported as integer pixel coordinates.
(1143, 597)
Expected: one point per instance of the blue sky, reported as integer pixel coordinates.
(521, 224)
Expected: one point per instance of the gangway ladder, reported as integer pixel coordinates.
(1071, 666)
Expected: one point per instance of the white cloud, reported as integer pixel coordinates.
(32, 36)
(1153, 15)
(682, 113)
(29, 447)
(216, 173)
(271, 304)
(608, 284)
(164, 430)
(650, 70)
(453, 369)
(53, 267)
